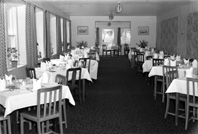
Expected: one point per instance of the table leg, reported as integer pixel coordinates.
(155, 86)
(83, 89)
(176, 108)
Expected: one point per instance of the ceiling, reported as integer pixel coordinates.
(105, 7)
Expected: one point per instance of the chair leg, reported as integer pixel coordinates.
(21, 124)
(187, 114)
(155, 87)
(60, 124)
(167, 107)
(39, 127)
(4, 127)
(64, 113)
(9, 125)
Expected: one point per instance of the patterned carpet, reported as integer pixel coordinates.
(121, 102)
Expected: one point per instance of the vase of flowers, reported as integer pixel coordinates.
(142, 44)
(81, 44)
(13, 56)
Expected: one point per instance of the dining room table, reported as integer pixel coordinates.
(85, 75)
(24, 96)
(179, 86)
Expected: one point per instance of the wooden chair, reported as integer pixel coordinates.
(158, 62)
(170, 76)
(31, 73)
(75, 82)
(60, 79)
(104, 49)
(140, 61)
(192, 100)
(157, 79)
(166, 69)
(49, 101)
(6, 123)
(126, 49)
(87, 63)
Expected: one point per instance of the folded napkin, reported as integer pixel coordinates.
(67, 57)
(161, 53)
(152, 50)
(172, 57)
(43, 66)
(62, 58)
(194, 63)
(37, 84)
(178, 58)
(70, 63)
(3, 85)
(166, 61)
(45, 78)
(186, 61)
(8, 79)
(173, 63)
(161, 56)
(155, 56)
(189, 72)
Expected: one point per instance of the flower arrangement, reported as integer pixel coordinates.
(81, 44)
(142, 44)
(12, 54)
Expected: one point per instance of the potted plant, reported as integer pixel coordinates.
(142, 44)
(13, 56)
(81, 44)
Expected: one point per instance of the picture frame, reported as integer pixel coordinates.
(143, 30)
(82, 30)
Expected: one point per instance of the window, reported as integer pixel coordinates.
(39, 32)
(126, 36)
(53, 42)
(61, 22)
(68, 34)
(108, 37)
(15, 32)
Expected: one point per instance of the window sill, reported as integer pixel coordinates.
(13, 68)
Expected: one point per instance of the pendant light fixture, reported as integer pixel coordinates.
(119, 8)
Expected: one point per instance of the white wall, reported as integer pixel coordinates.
(135, 22)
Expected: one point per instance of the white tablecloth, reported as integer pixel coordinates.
(158, 70)
(93, 66)
(52, 74)
(179, 86)
(21, 98)
(147, 65)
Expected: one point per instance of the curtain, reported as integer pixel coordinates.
(3, 66)
(31, 40)
(47, 34)
(119, 37)
(58, 33)
(97, 37)
(64, 35)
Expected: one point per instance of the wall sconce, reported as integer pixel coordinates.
(119, 8)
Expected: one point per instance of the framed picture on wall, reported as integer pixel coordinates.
(143, 30)
(82, 30)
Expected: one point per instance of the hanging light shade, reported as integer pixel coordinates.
(119, 8)
(109, 24)
(111, 16)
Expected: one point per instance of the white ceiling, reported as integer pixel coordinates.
(105, 7)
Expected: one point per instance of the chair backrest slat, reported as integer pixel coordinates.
(76, 73)
(192, 84)
(49, 101)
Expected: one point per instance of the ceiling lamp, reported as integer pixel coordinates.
(109, 24)
(111, 16)
(119, 8)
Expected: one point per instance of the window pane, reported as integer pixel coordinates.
(15, 33)
(40, 36)
(68, 31)
(53, 34)
(126, 36)
(61, 21)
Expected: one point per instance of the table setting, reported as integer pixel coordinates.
(20, 93)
